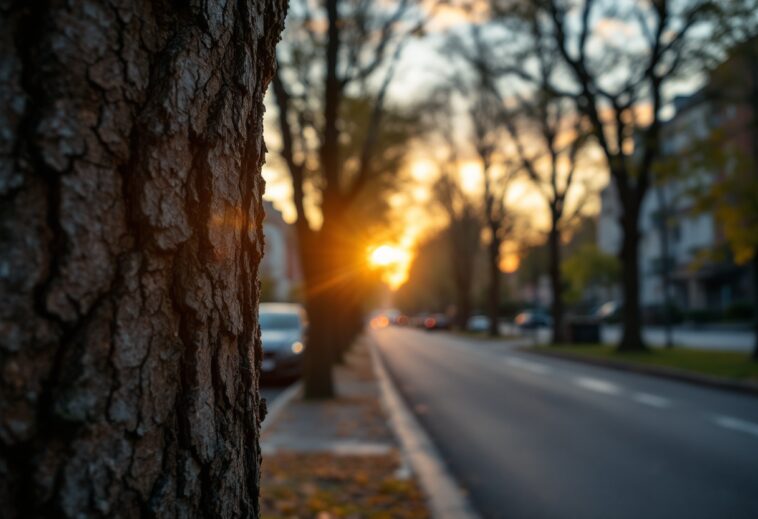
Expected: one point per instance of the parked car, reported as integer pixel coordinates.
(532, 319)
(436, 322)
(478, 323)
(283, 334)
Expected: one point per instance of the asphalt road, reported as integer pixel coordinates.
(535, 437)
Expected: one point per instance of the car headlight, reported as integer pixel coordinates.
(297, 347)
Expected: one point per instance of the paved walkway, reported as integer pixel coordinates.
(338, 458)
(352, 423)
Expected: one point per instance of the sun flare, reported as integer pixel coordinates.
(386, 255)
(394, 263)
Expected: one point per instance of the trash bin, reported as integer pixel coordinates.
(584, 330)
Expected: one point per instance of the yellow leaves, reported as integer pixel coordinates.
(736, 211)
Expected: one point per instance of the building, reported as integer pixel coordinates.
(281, 275)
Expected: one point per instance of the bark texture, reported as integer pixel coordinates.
(130, 237)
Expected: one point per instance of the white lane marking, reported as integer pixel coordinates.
(533, 367)
(652, 400)
(598, 385)
(735, 424)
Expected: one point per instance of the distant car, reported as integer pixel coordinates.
(418, 320)
(436, 322)
(283, 330)
(532, 319)
(401, 320)
(478, 323)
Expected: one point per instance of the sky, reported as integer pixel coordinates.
(421, 68)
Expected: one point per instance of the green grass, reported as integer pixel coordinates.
(724, 364)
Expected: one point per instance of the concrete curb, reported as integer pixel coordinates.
(654, 371)
(279, 403)
(446, 499)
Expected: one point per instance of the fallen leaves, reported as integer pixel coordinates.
(328, 486)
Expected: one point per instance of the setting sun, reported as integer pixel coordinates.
(394, 262)
(386, 255)
(509, 263)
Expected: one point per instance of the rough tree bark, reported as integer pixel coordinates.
(130, 236)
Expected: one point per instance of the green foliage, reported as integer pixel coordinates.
(735, 203)
(727, 153)
(588, 267)
(730, 189)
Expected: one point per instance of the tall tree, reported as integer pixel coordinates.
(543, 139)
(726, 150)
(738, 31)
(464, 216)
(620, 85)
(484, 116)
(130, 237)
(464, 240)
(333, 52)
(728, 156)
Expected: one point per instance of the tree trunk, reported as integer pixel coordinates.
(631, 340)
(319, 352)
(753, 58)
(463, 291)
(494, 288)
(130, 237)
(755, 305)
(464, 308)
(556, 283)
(663, 231)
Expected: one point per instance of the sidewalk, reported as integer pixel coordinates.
(338, 458)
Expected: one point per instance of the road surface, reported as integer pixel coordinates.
(537, 437)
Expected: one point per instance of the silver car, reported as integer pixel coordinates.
(283, 329)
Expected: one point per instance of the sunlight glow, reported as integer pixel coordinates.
(393, 261)
(386, 255)
(509, 263)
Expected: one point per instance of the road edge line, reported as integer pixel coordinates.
(278, 404)
(444, 496)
